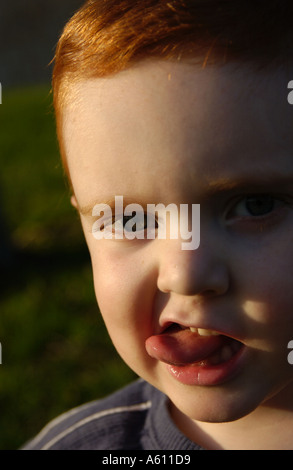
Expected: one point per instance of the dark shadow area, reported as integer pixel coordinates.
(28, 35)
(20, 266)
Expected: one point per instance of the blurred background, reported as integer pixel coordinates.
(56, 353)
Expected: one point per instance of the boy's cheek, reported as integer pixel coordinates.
(120, 286)
(129, 323)
(125, 302)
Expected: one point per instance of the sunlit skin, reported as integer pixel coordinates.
(221, 137)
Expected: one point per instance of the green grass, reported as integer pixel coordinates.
(56, 353)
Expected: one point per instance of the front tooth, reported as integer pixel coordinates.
(204, 332)
(194, 330)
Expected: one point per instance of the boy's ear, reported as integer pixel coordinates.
(74, 201)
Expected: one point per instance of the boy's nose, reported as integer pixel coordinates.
(202, 272)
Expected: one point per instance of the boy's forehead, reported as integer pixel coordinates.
(159, 106)
(169, 90)
(180, 82)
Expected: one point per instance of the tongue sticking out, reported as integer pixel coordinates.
(182, 346)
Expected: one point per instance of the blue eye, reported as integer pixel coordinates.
(259, 205)
(254, 207)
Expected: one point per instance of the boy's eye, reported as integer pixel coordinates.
(140, 223)
(259, 205)
(134, 223)
(255, 206)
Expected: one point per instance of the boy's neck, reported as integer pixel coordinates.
(259, 433)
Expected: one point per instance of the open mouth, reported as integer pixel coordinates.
(195, 356)
(194, 350)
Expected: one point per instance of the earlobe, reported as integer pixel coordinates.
(74, 201)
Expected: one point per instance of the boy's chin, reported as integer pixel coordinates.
(213, 404)
(212, 414)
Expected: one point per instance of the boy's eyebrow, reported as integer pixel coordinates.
(88, 209)
(210, 189)
(247, 182)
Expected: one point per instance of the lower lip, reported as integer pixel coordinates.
(195, 374)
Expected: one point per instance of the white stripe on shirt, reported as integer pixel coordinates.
(59, 419)
(120, 409)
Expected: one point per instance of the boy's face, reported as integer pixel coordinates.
(166, 132)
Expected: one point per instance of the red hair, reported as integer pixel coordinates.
(107, 36)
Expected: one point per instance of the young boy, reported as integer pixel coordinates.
(184, 103)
